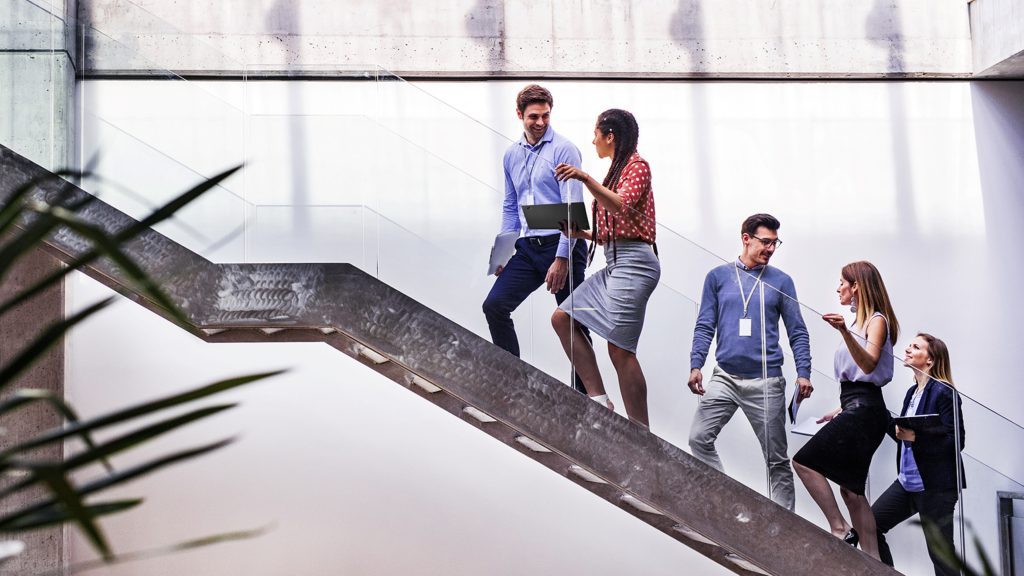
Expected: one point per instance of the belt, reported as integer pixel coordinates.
(542, 240)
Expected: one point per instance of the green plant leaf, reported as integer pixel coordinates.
(126, 414)
(53, 477)
(129, 474)
(53, 514)
(157, 552)
(110, 245)
(14, 521)
(168, 210)
(50, 336)
(28, 396)
(29, 237)
(106, 246)
(13, 206)
(106, 449)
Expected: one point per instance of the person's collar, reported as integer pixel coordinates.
(548, 136)
(745, 268)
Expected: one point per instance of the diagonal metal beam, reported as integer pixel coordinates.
(474, 380)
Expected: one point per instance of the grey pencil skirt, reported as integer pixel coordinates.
(612, 302)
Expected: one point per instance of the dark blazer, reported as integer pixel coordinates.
(934, 450)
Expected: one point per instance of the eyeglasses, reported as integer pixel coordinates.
(766, 242)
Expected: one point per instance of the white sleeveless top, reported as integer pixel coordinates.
(847, 369)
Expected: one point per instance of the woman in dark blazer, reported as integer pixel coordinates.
(927, 461)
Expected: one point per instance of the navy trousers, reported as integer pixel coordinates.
(524, 273)
(896, 505)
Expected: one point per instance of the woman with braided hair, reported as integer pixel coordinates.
(612, 302)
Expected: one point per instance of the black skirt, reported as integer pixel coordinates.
(842, 450)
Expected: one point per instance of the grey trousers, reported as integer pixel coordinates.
(723, 394)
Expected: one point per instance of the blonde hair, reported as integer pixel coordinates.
(939, 354)
(871, 295)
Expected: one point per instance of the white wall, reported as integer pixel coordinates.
(923, 179)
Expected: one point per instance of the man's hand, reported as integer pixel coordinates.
(557, 273)
(805, 388)
(498, 270)
(696, 382)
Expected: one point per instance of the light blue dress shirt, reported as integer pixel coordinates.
(530, 179)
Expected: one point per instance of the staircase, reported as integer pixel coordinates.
(472, 379)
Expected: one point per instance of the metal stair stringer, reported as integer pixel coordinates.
(469, 377)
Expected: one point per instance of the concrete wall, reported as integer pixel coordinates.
(37, 111)
(45, 550)
(37, 72)
(921, 178)
(997, 35)
(638, 38)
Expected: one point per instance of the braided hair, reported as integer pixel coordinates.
(623, 125)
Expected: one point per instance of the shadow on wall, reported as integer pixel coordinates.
(884, 27)
(686, 28)
(998, 109)
(286, 15)
(485, 25)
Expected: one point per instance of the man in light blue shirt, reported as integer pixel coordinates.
(542, 256)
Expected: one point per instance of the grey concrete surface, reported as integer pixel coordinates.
(997, 35)
(467, 38)
(37, 111)
(45, 549)
(37, 79)
(37, 106)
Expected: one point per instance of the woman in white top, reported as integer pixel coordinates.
(841, 451)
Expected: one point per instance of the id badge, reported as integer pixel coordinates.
(745, 326)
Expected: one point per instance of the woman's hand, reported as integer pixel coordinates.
(836, 321)
(565, 172)
(828, 417)
(575, 232)
(905, 434)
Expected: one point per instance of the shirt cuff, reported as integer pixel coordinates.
(563, 248)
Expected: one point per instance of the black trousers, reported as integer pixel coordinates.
(896, 505)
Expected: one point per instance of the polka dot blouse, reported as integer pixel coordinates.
(635, 220)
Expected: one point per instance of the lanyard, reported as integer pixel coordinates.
(746, 300)
(533, 151)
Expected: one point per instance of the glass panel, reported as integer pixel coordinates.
(284, 233)
(149, 140)
(988, 470)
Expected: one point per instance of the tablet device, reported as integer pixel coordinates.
(547, 216)
(920, 423)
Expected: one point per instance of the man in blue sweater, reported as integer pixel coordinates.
(749, 369)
